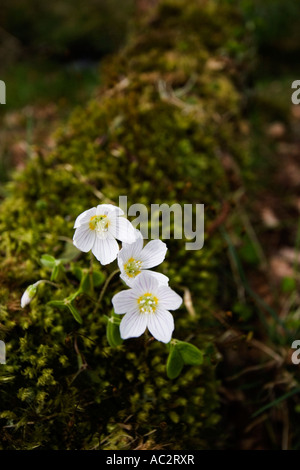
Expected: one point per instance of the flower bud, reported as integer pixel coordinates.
(29, 294)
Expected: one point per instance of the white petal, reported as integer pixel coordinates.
(153, 253)
(138, 244)
(104, 209)
(124, 301)
(29, 293)
(105, 249)
(131, 250)
(120, 262)
(133, 325)
(122, 229)
(85, 217)
(84, 238)
(145, 282)
(129, 281)
(161, 325)
(168, 298)
(161, 278)
(25, 299)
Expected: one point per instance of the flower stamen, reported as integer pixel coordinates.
(99, 223)
(133, 267)
(147, 303)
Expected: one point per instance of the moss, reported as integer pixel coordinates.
(154, 134)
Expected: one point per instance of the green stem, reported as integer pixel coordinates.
(106, 284)
(105, 287)
(49, 282)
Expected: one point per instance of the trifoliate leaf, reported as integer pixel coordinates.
(174, 362)
(77, 271)
(190, 354)
(70, 252)
(75, 313)
(86, 284)
(58, 271)
(67, 303)
(98, 278)
(113, 333)
(48, 261)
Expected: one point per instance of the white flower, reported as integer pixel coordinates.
(147, 305)
(98, 228)
(29, 294)
(133, 259)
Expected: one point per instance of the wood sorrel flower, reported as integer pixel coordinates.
(147, 305)
(98, 228)
(29, 293)
(133, 259)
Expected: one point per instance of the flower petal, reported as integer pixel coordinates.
(153, 253)
(104, 209)
(122, 229)
(137, 245)
(161, 278)
(84, 217)
(161, 325)
(145, 282)
(132, 325)
(105, 249)
(124, 301)
(84, 238)
(130, 250)
(25, 299)
(168, 298)
(129, 281)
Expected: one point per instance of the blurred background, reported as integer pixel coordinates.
(51, 59)
(51, 54)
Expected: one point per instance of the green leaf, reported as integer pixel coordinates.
(90, 280)
(70, 253)
(48, 261)
(72, 296)
(75, 312)
(68, 303)
(58, 271)
(77, 271)
(248, 252)
(174, 362)
(288, 285)
(55, 273)
(113, 333)
(98, 278)
(86, 284)
(190, 354)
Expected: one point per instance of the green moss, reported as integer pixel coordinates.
(155, 134)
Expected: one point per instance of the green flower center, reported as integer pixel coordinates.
(147, 303)
(133, 267)
(99, 223)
